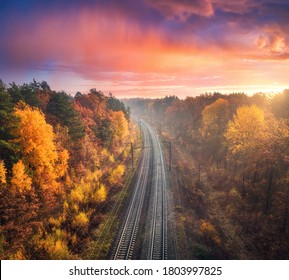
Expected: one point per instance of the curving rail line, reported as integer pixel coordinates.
(158, 236)
(152, 163)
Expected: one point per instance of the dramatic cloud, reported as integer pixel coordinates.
(140, 46)
(182, 9)
(273, 44)
(237, 6)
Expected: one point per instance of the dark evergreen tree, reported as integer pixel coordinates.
(116, 105)
(60, 105)
(29, 96)
(8, 148)
(15, 93)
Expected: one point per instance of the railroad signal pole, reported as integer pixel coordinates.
(170, 147)
(170, 153)
(132, 157)
(140, 130)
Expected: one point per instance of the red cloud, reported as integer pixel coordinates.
(108, 46)
(98, 40)
(182, 9)
(236, 6)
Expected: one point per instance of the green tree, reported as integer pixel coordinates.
(60, 106)
(8, 122)
(29, 95)
(24, 93)
(116, 105)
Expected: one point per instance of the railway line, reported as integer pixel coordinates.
(158, 236)
(150, 179)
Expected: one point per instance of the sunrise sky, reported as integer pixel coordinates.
(148, 48)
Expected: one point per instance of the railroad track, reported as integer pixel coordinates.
(152, 163)
(129, 229)
(158, 237)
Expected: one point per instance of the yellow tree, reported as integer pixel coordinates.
(101, 194)
(215, 118)
(246, 132)
(120, 127)
(2, 173)
(62, 163)
(258, 139)
(116, 174)
(44, 160)
(20, 181)
(246, 136)
(18, 212)
(276, 157)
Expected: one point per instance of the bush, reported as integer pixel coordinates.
(81, 220)
(202, 252)
(209, 232)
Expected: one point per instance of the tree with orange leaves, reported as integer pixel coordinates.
(20, 181)
(120, 128)
(45, 162)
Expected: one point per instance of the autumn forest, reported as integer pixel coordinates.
(61, 158)
(67, 168)
(144, 130)
(229, 174)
